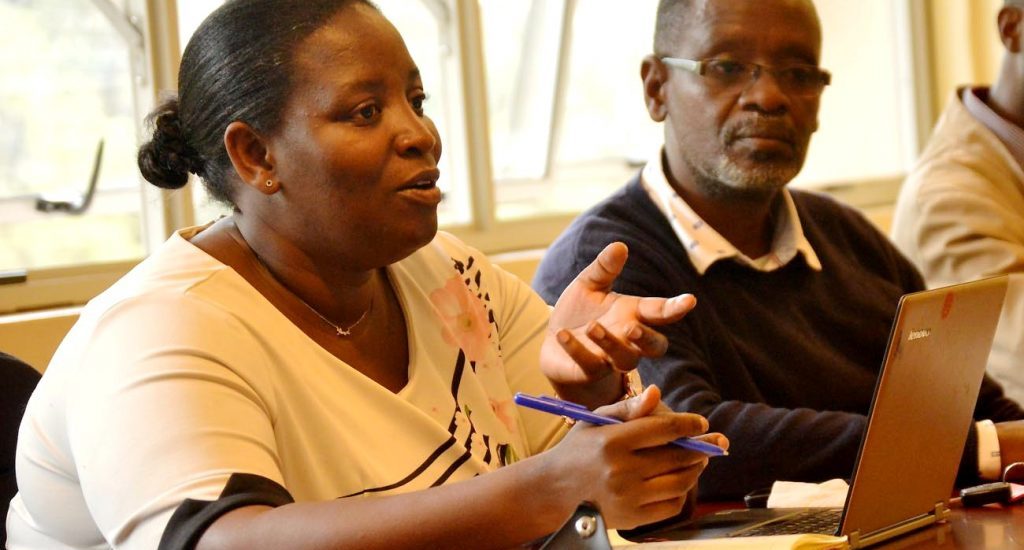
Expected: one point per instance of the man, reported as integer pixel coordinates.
(796, 293)
(960, 215)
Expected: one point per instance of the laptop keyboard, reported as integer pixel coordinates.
(823, 520)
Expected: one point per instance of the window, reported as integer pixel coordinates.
(190, 14)
(430, 32)
(866, 131)
(539, 103)
(568, 123)
(67, 113)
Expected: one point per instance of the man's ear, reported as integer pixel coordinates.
(250, 157)
(654, 74)
(1009, 23)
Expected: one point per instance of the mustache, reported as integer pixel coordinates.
(762, 128)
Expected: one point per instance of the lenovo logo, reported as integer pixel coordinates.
(918, 334)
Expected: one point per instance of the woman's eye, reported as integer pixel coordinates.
(417, 103)
(367, 112)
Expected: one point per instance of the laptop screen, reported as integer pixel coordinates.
(923, 404)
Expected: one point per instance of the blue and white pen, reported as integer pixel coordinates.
(576, 411)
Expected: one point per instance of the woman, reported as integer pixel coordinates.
(322, 368)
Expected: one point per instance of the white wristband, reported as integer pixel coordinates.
(989, 459)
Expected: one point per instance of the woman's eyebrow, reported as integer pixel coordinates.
(371, 84)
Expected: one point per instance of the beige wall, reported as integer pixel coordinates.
(964, 45)
(33, 337)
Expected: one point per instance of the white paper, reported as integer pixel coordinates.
(792, 494)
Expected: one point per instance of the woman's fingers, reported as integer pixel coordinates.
(621, 354)
(657, 511)
(601, 273)
(594, 365)
(673, 473)
(636, 475)
(661, 311)
(650, 342)
(634, 407)
(672, 485)
(661, 429)
(669, 458)
(715, 438)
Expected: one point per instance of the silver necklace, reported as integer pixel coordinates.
(339, 330)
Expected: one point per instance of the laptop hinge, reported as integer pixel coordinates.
(856, 540)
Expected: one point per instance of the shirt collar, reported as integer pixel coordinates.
(705, 246)
(1011, 135)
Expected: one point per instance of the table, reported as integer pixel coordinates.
(989, 527)
(986, 528)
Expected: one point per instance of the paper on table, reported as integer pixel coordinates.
(785, 494)
(784, 542)
(1016, 492)
(791, 494)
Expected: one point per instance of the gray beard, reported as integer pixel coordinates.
(725, 181)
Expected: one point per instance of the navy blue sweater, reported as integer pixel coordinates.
(783, 363)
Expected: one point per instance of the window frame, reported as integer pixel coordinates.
(154, 66)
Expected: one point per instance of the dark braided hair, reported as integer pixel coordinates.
(236, 67)
(167, 160)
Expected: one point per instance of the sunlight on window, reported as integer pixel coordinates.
(559, 153)
(862, 133)
(190, 14)
(66, 86)
(428, 27)
(522, 41)
(565, 107)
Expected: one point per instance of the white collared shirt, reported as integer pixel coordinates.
(705, 246)
(975, 100)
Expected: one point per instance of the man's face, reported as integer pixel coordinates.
(745, 141)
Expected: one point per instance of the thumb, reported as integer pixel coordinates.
(601, 273)
(634, 407)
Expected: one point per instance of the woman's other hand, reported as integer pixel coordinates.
(595, 334)
(629, 470)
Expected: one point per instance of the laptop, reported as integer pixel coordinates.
(918, 423)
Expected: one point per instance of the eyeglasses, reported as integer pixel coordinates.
(798, 80)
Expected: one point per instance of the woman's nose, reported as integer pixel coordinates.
(416, 134)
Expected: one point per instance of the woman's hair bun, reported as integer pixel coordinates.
(167, 159)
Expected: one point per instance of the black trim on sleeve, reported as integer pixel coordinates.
(194, 517)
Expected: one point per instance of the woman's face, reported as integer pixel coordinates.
(355, 155)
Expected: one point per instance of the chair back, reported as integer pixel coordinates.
(17, 381)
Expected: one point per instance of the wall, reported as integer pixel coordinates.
(964, 44)
(33, 337)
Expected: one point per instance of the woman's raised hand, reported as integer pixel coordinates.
(595, 334)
